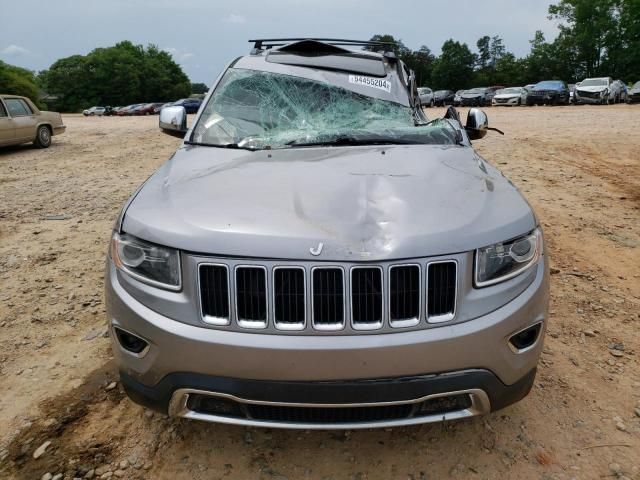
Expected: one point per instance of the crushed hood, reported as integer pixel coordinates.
(362, 203)
(594, 89)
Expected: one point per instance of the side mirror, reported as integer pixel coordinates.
(173, 121)
(477, 124)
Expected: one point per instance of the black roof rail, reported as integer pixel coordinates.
(267, 43)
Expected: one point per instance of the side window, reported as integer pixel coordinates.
(3, 112)
(17, 107)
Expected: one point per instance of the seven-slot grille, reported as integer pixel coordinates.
(294, 297)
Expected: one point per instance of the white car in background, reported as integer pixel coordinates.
(90, 112)
(510, 96)
(595, 91)
(426, 97)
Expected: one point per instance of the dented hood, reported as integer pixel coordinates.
(361, 203)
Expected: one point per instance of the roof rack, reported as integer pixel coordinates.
(267, 43)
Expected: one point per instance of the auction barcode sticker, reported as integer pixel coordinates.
(379, 83)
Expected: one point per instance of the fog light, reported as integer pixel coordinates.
(130, 342)
(525, 338)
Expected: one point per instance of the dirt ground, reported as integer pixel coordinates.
(578, 166)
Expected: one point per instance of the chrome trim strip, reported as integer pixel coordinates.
(448, 316)
(330, 327)
(480, 405)
(220, 321)
(289, 326)
(245, 323)
(530, 347)
(366, 326)
(405, 322)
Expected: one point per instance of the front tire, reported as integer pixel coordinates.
(43, 137)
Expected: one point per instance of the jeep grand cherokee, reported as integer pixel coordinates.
(318, 254)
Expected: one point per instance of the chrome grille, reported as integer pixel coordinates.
(289, 298)
(307, 297)
(251, 296)
(214, 288)
(366, 297)
(441, 291)
(328, 298)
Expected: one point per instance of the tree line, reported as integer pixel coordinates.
(596, 38)
(118, 75)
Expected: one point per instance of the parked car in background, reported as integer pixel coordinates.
(510, 96)
(595, 91)
(301, 315)
(110, 111)
(443, 97)
(94, 111)
(147, 108)
(619, 91)
(477, 97)
(22, 122)
(160, 107)
(457, 99)
(529, 87)
(426, 97)
(191, 105)
(549, 92)
(633, 95)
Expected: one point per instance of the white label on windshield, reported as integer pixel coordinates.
(379, 83)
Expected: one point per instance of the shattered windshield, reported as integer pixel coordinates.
(256, 109)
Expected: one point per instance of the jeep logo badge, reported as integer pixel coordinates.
(316, 251)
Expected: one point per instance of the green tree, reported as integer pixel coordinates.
(453, 69)
(587, 25)
(421, 62)
(199, 88)
(118, 75)
(18, 81)
(484, 53)
(398, 47)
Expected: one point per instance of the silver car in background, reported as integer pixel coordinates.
(427, 98)
(318, 254)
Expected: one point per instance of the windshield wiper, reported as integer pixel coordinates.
(349, 141)
(220, 145)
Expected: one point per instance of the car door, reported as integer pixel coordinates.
(23, 118)
(7, 131)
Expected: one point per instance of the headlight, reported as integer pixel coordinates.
(502, 261)
(149, 263)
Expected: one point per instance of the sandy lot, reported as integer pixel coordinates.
(578, 166)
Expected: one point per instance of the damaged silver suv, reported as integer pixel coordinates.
(318, 254)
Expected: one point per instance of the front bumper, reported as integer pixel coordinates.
(59, 129)
(290, 369)
(472, 102)
(499, 102)
(589, 100)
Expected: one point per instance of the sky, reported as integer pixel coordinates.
(203, 35)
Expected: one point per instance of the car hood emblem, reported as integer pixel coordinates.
(316, 251)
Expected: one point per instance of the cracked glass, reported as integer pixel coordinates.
(256, 110)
